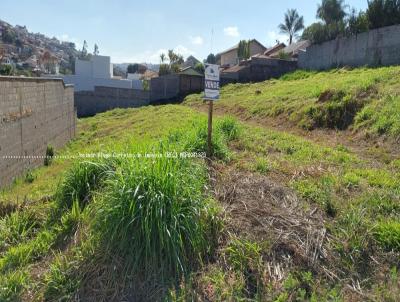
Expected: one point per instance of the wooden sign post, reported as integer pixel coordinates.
(209, 137)
(211, 94)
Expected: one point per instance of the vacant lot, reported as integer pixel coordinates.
(301, 201)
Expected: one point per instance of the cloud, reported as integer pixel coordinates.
(67, 38)
(231, 31)
(273, 36)
(197, 40)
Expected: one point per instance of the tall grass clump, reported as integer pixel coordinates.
(229, 127)
(80, 181)
(225, 130)
(153, 215)
(387, 233)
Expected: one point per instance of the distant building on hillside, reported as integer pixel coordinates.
(230, 56)
(98, 71)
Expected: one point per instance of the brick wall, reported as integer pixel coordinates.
(34, 113)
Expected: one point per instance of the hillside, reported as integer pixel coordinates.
(299, 203)
(26, 48)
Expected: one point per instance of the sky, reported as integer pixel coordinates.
(139, 31)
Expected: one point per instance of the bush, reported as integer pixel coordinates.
(49, 155)
(29, 177)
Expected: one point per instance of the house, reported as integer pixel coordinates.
(190, 71)
(292, 50)
(98, 71)
(274, 49)
(191, 62)
(230, 56)
(149, 74)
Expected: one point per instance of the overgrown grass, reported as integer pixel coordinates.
(330, 99)
(152, 214)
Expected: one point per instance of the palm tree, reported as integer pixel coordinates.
(162, 58)
(292, 25)
(331, 11)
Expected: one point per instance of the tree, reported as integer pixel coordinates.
(244, 50)
(84, 52)
(162, 58)
(96, 50)
(8, 36)
(357, 23)
(133, 68)
(211, 59)
(6, 70)
(382, 13)
(331, 11)
(164, 69)
(315, 33)
(292, 25)
(175, 62)
(200, 68)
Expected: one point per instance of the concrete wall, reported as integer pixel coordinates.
(88, 84)
(96, 67)
(165, 87)
(34, 112)
(89, 103)
(376, 47)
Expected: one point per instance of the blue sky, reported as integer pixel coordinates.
(138, 31)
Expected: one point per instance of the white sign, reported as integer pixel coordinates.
(211, 85)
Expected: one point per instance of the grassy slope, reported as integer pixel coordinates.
(298, 99)
(356, 196)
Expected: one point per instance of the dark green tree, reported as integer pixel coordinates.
(84, 52)
(292, 25)
(211, 59)
(244, 50)
(382, 13)
(96, 50)
(357, 22)
(200, 68)
(6, 70)
(8, 36)
(331, 11)
(133, 68)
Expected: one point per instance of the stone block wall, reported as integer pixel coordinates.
(34, 113)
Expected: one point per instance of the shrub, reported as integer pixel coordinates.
(29, 177)
(49, 155)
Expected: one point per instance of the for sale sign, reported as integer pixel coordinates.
(211, 87)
